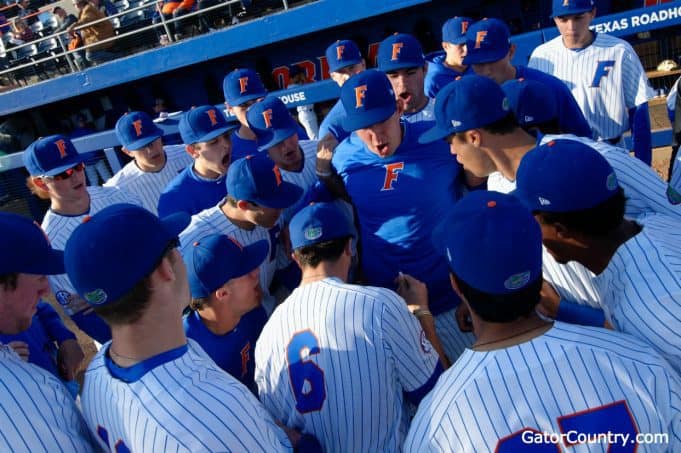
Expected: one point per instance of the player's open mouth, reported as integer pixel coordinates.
(382, 149)
(406, 96)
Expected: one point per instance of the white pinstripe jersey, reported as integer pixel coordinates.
(149, 185)
(304, 178)
(38, 414)
(606, 79)
(334, 360)
(575, 377)
(645, 192)
(427, 113)
(214, 221)
(180, 402)
(641, 286)
(58, 229)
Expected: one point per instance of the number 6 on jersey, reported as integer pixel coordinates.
(307, 379)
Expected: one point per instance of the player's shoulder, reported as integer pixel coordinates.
(548, 49)
(106, 196)
(606, 40)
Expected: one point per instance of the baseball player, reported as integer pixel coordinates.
(399, 189)
(39, 413)
(636, 262)
(344, 60)
(153, 165)
(151, 388)
(489, 51)
(447, 65)
(401, 58)
(243, 88)
(603, 73)
(257, 195)
(306, 113)
(201, 185)
(225, 288)
(528, 384)
(56, 173)
(534, 106)
(276, 133)
(337, 359)
(487, 141)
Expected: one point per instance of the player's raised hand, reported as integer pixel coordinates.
(413, 291)
(21, 348)
(325, 148)
(69, 358)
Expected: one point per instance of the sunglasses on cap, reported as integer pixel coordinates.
(66, 174)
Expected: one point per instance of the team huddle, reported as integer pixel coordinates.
(467, 260)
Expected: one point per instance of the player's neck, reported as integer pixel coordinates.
(325, 269)
(421, 105)
(599, 252)
(72, 207)
(246, 133)
(237, 216)
(451, 64)
(205, 172)
(514, 145)
(579, 42)
(218, 321)
(492, 335)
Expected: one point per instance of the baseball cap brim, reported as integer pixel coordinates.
(353, 122)
(72, 163)
(216, 133)
(287, 194)
(278, 136)
(50, 264)
(572, 12)
(459, 40)
(345, 64)
(402, 65)
(486, 56)
(144, 142)
(245, 98)
(434, 134)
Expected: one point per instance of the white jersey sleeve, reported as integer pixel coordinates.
(38, 414)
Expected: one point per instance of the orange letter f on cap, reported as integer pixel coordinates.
(397, 47)
(212, 116)
(267, 116)
(243, 83)
(61, 146)
(339, 52)
(137, 124)
(479, 38)
(360, 93)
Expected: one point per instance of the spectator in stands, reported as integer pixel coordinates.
(105, 7)
(94, 33)
(172, 9)
(21, 33)
(25, 11)
(65, 20)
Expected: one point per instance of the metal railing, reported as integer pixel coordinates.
(29, 50)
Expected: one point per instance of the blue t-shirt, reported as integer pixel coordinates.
(570, 116)
(43, 336)
(399, 200)
(190, 193)
(234, 351)
(332, 122)
(438, 75)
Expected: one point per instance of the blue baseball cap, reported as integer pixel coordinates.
(368, 99)
(400, 51)
(341, 54)
(241, 86)
(136, 130)
(214, 260)
(454, 30)
(110, 252)
(271, 122)
(49, 156)
(25, 249)
(202, 124)
(467, 103)
(258, 179)
(570, 7)
(532, 102)
(487, 41)
(564, 176)
(320, 222)
(492, 242)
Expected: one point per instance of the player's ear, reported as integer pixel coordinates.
(511, 52)
(222, 292)
(40, 183)
(455, 286)
(295, 259)
(192, 151)
(445, 46)
(128, 153)
(347, 250)
(243, 205)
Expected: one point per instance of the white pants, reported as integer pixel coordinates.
(308, 118)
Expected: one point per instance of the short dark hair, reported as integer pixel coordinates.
(130, 307)
(597, 221)
(550, 127)
(503, 126)
(501, 308)
(198, 303)
(9, 281)
(57, 8)
(312, 255)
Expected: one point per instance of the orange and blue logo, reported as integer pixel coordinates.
(360, 95)
(464, 27)
(391, 173)
(243, 84)
(212, 114)
(480, 38)
(137, 124)
(339, 51)
(267, 116)
(277, 175)
(397, 48)
(61, 147)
